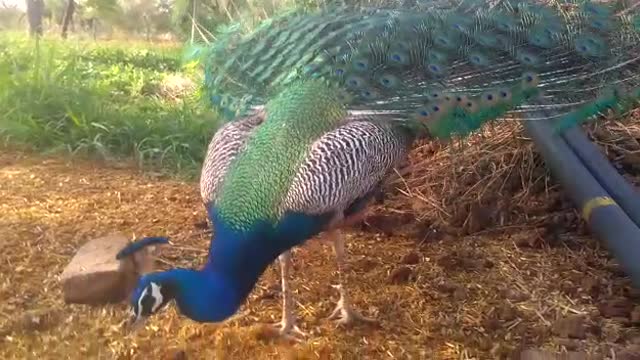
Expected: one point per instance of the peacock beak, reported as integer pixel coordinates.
(136, 323)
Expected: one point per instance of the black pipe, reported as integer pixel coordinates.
(599, 166)
(603, 215)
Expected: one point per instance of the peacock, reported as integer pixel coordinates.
(324, 104)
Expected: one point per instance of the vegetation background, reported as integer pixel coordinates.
(107, 78)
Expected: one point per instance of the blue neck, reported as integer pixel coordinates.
(237, 259)
(202, 296)
(241, 257)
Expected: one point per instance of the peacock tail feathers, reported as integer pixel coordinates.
(614, 99)
(413, 61)
(441, 72)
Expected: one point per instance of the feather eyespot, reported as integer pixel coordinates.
(590, 46)
(434, 94)
(389, 81)
(505, 25)
(530, 79)
(478, 59)
(504, 95)
(470, 106)
(447, 101)
(461, 100)
(489, 98)
(370, 94)
(541, 41)
(435, 69)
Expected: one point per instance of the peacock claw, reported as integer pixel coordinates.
(289, 330)
(345, 316)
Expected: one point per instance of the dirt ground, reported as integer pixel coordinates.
(488, 295)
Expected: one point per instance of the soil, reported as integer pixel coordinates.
(541, 285)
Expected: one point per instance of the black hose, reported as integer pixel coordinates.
(603, 215)
(599, 166)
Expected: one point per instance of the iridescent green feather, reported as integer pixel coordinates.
(442, 72)
(612, 100)
(261, 175)
(388, 59)
(385, 58)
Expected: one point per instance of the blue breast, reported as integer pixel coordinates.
(243, 255)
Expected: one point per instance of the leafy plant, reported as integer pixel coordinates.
(101, 100)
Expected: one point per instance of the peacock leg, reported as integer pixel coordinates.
(344, 314)
(287, 326)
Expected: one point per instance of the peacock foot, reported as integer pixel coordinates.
(345, 316)
(289, 330)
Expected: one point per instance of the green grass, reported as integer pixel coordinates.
(101, 99)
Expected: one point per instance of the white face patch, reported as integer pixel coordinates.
(157, 296)
(139, 307)
(149, 301)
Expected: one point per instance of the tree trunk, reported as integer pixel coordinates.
(147, 27)
(94, 28)
(193, 20)
(35, 8)
(68, 16)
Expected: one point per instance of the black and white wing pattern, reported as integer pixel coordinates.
(225, 145)
(346, 165)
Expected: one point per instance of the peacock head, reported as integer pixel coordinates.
(150, 296)
(153, 291)
(202, 295)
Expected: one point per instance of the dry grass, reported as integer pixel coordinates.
(498, 257)
(496, 177)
